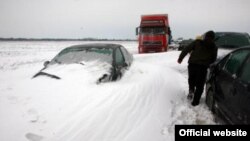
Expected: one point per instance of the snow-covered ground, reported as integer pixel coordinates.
(144, 105)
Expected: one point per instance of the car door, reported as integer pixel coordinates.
(127, 56)
(226, 80)
(214, 78)
(119, 62)
(242, 88)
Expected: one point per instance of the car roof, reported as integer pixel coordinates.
(242, 33)
(245, 47)
(96, 45)
(242, 48)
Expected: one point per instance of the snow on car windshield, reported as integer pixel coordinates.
(88, 73)
(78, 55)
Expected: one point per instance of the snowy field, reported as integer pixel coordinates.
(143, 106)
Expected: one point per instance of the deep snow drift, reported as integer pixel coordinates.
(144, 105)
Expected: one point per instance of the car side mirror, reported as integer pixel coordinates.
(45, 64)
(137, 31)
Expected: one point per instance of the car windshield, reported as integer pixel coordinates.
(81, 55)
(153, 30)
(231, 40)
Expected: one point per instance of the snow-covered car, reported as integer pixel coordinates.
(228, 87)
(110, 60)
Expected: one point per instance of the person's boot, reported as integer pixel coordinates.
(190, 95)
(195, 103)
(197, 97)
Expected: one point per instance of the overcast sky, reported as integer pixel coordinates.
(118, 18)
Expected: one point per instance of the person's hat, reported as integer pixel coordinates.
(210, 34)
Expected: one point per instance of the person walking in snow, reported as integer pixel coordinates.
(203, 52)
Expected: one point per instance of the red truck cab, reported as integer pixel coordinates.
(153, 33)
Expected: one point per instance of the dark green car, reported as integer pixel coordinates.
(228, 87)
(184, 43)
(225, 40)
(231, 40)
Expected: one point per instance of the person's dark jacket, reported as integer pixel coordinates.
(201, 53)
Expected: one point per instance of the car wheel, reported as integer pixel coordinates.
(210, 100)
(119, 76)
(116, 77)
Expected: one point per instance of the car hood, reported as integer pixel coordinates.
(88, 72)
(223, 52)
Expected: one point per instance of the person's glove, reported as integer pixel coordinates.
(179, 61)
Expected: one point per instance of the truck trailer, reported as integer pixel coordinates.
(154, 33)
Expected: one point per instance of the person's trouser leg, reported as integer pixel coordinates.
(199, 84)
(191, 77)
(191, 80)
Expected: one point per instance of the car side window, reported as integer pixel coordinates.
(119, 59)
(234, 62)
(127, 55)
(124, 53)
(245, 75)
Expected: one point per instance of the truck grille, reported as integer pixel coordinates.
(152, 43)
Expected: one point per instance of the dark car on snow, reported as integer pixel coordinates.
(228, 87)
(231, 40)
(224, 40)
(184, 43)
(114, 55)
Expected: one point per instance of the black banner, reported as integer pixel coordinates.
(217, 132)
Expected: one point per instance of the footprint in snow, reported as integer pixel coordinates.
(33, 115)
(33, 137)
